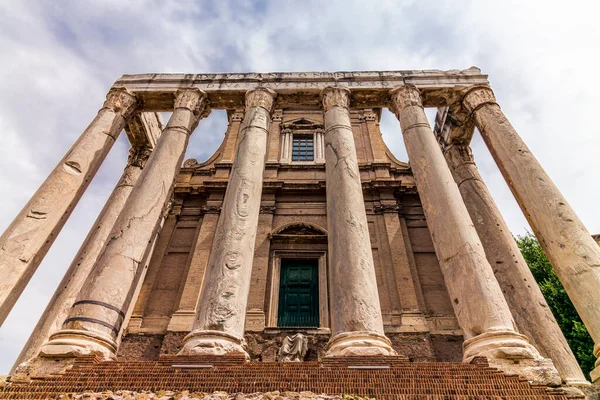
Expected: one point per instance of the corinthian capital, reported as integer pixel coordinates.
(261, 97)
(478, 96)
(405, 96)
(194, 100)
(335, 96)
(138, 156)
(121, 100)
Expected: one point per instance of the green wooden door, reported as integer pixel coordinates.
(299, 293)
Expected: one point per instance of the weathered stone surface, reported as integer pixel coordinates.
(219, 324)
(480, 307)
(563, 237)
(526, 302)
(95, 320)
(356, 323)
(26, 241)
(69, 288)
(227, 90)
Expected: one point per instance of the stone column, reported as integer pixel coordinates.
(524, 297)
(565, 240)
(94, 321)
(356, 322)
(219, 324)
(29, 237)
(478, 302)
(59, 306)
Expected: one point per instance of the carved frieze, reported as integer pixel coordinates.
(386, 208)
(268, 209)
(368, 115)
(211, 210)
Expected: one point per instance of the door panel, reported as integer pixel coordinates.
(299, 293)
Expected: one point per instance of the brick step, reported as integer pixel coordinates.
(381, 377)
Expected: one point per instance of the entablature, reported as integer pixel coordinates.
(368, 89)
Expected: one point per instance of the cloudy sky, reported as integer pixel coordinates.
(60, 57)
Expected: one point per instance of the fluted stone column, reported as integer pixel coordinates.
(478, 302)
(69, 288)
(219, 324)
(356, 322)
(29, 237)
(94, 321)
(563, 237)
(523, 295)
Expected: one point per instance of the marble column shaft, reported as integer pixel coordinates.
(219, 324)
(571, 250)
(478, 302)
(29, 237)
(356, 321)
(69, 288)
(96, 317)
(523, 295)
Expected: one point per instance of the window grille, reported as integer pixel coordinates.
(303, 148)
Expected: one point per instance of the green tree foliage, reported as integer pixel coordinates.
(577, 336)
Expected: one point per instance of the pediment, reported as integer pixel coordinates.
(301, 124)
(298, 229)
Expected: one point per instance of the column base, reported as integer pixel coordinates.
(77, 343)
(212, 343)
(512, 353)
(348, 344)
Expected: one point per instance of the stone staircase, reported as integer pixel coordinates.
(374, 377)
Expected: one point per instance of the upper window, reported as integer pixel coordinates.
(303, 148)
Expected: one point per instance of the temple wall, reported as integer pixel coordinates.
(295, 194)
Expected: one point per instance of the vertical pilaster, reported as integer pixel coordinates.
(61, 302)
(219, 324)
(563, 237)
(95, 320)
(478, 302)
(183, 319)
(255, 318)
(412, 317)
(27, 239)
(356, 320)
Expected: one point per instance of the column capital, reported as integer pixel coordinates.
(261, 97)
(193, 99)
(121, 100)
(138, 156)
(335, 96)
(405, 96)
(476, 97)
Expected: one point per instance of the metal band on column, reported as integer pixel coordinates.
(570, 248)
(113, 278)
(26, 241)
(478, 302)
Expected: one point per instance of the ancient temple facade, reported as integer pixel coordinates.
(302, 237)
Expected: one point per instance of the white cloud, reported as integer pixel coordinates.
(59, 59)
